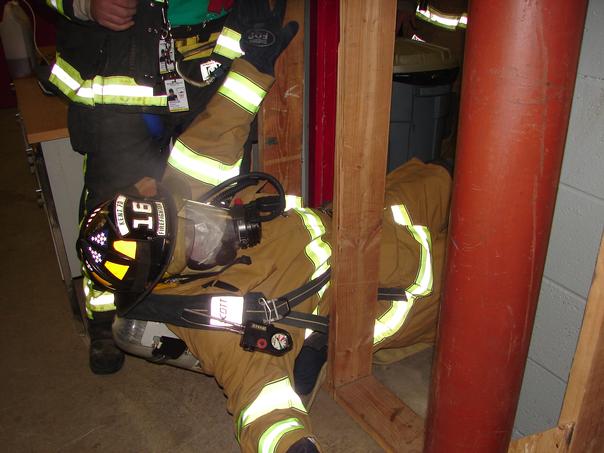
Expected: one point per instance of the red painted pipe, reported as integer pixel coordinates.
(325, 35)
(519, 74)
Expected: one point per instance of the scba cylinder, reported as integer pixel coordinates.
(154, 342)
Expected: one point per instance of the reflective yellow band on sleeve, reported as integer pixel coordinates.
(227, 44)
(243, 92)
(202, 168)
(271, 437)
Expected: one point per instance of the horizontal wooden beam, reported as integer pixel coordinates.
(383, 415)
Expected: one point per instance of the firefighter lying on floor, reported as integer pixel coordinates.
(237, 271)
(237, 279)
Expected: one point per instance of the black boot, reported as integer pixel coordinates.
(310, 368)
(304, 445)
(105, 357)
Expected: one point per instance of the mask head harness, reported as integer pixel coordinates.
(126, 244)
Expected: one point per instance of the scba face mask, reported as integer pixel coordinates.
(214, 234)
(218, 225)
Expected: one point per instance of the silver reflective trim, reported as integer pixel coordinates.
(229, 43)
(243, 91)
(65, 78)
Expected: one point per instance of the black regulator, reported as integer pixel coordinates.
(248, 218)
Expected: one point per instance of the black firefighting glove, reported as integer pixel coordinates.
(262, 36)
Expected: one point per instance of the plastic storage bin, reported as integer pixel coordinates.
(421, 100)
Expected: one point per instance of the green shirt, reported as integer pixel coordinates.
(190, 12)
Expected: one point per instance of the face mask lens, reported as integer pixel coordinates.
(209, 234)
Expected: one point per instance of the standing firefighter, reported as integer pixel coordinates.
(138, 76)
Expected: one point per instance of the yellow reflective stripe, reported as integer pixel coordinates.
(227, 44)
(271, 437)
(440, 19)
(56, 4)
(96, 301)
(242, 91)
(64, 77)
(424, 279)
(394, 318)
(275, 395)
(292, 201)
(463, 21)
(317, 250)
(102, 90)
(202, 168)
(390, 322)
(69, 82)
(124, 91)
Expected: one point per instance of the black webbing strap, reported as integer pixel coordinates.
(392, 293)
(191, 311)
(307, 321)
(302, 293)
(195, 311)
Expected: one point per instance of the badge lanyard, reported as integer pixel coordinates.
(173, 83)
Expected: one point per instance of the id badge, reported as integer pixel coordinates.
(177, 95)
(166, 56)
(207, 69)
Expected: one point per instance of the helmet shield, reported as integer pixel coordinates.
(126, 244)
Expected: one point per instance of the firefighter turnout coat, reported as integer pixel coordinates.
(294, 249)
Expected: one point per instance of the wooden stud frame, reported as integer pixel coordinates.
(362, 118)
(361, 149)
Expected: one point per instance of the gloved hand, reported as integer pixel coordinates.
(262, 36)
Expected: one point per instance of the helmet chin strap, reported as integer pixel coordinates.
(244, 259)
(141, 276)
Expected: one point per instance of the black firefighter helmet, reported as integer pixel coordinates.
(126, 245)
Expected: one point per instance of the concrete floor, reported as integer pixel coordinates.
(49, 400)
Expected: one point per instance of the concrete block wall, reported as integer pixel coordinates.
(574, 241)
